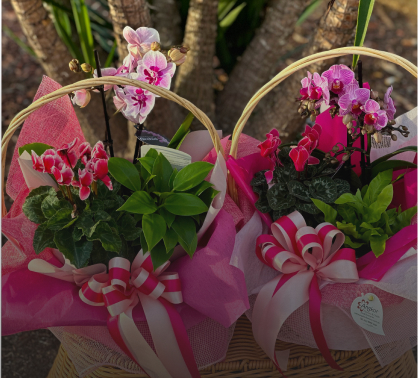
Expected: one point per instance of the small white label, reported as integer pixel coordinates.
(367, 312)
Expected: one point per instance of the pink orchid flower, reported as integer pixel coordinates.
(37, 162)
(67, 154)
(270, 145)
(99, 169)
(119, 99)
(139, 40)
(389, 105)
(315, 87)
(51, 159)
(374, 115)
(81, 97)
(353, 99)
(85, 152)
(130, 62)
(64, 176)
(338, 77)
(138, 103)
(154, 69)
(85, 178)
(122, 71)
(99, 151)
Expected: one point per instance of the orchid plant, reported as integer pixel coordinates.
(145, 62)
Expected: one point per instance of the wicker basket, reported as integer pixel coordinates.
(246, 359)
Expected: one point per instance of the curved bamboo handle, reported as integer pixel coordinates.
(87, 84)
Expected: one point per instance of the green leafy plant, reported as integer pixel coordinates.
(291, 190)
(364, 218)
(171, 204)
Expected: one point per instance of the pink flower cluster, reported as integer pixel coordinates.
(337, 86)
(62, 162)
(141, 64)
(268, 149)
(301, 154)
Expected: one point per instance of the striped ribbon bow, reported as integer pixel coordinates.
(120, 291)
(305, 256)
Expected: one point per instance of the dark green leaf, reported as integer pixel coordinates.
(309, 208)
(191, 175)
(170, 239)
(77, 234)
(186, 230)
(39, 148)
(42, 239)
(125, 172)
(51, 204)
(181, 133)
(159, 255)
(391, 164)
(59, 220)
(199, 189)
(278, 197)
(147, 162)
(375, 210)
(154, 228)
(97, 205)
(342, 186)
(32, 207)
(77, 252)
(392, 154)
(277, 214)
(208, 196)
(127, 227)
(152, 153)
(262, 204)
(139, 202)
(162, 170)
(86, 223)
(144, 244)
(168, 217)
(324, 189)
(108, 237)
(101, 215)
(172, 177)
(299, 190)
(404, 218)
(185, 204)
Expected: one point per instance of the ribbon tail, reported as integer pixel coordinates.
(315, 298)
(127, 336)
(169, 337)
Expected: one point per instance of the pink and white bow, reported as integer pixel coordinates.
(305, 256)
(120, 291)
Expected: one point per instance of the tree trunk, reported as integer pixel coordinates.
(258, 60)
(43, 38)
(195, 77)
(133, 13)
(166, 19)
(280, 110)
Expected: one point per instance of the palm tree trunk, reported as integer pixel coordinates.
(258, 60)
(166, 19)
(195, 77)
(279, 111)
(44, 40)
(133, 13)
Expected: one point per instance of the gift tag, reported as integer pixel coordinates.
(148, 137)
(367, 312)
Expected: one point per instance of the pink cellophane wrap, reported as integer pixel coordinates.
(396, 290)
(213, 290)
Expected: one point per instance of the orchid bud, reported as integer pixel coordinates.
(86, 67)
(374, 95)
(394, 137)
(81, 98)
(311, 105)
(345, 157)
(392, 122)
(75, 65)
(335, 149)
(347, 118)
(349, 125)
(378, 137)
(178, 55)
(327, 155)
(368, 129)
(155, 46)
(313, 117)
(404, 128)
(334, 161)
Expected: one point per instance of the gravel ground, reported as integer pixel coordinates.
(31, 354)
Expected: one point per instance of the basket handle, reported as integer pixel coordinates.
(302, 63)
(87, 84)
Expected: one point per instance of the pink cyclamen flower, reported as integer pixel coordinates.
(270, 145)
(138, 102)
(300, 156)
(338, 77)
(51, 159)
(85, 152)
(154, 69)
(389, 105)
(139, 40)
(353, 99)
(64, 176)
(312, 133)
(85, 178)
(37, 162)
(374, 115)
(99, 170)
(122, 71)
(81, 97)
(67, 154)
(99, 151)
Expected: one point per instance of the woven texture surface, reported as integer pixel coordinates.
(246, 359)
